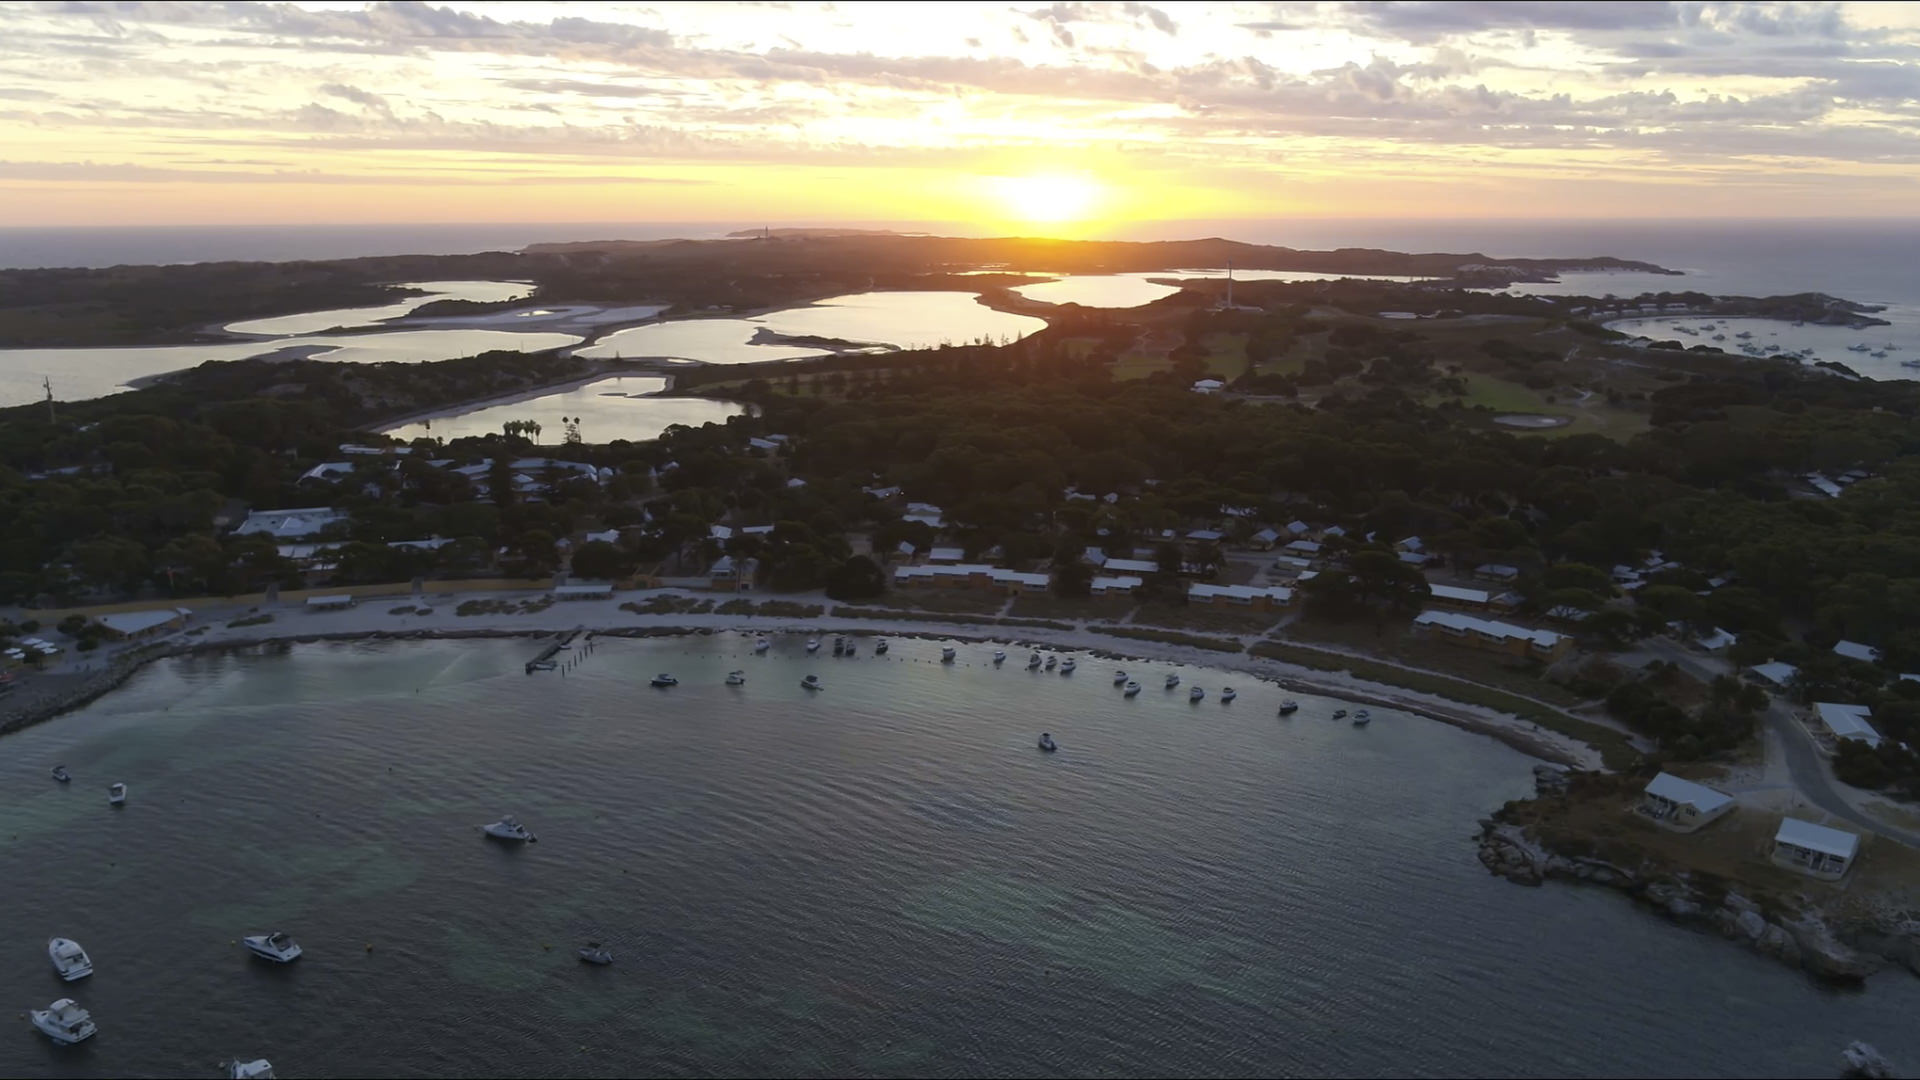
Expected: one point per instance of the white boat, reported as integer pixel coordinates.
(510, 830)
(946, 654)
(663, 680)
(1052, 662)
(595, 953)
(761, 644)
(1067, 666)
(1033, 661)
(1227, 694)
(1119, 677)
(69, 959)
(999, 656)
(1172, 680)
(1046, 743)
(813, 644)
(1339, 714)
(839, 646)
(1289, 707)
(277, 947)
(1131, 689)
(880, 647)
(1196, 694)
(1361, 718)
(257, 1069)
(736, 678)
(61, 774)
(811, 682)
(64, 1021)
(116, 794)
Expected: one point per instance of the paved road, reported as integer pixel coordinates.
(1812, 779)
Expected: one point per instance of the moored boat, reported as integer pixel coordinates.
(811, 682)
(61, 774)
(1339, 714)
(1227, 693)
(1119, 677)
(761, 644)
(277, 947)
(64, 1021)
(257, 1069)
(69, 959)
(510, 830)
(946, 654)
(880, 647)
(1046, 743)
(1033, 661)
(813, 644)
(736, 678)
(1172, 680)
(999, 656)
(1052, 662)
(116, 794)
(1067, 665)
(595, 953)
(663, 680)
(1131, 689)
(1361, 718)
(1196, 694)
(1289, 707)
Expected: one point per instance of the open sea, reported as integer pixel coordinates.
(881, 878)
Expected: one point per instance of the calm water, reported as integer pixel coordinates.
(907, 320)
(881, 878)
(313, 322)
(616, 407)
(1132, 290)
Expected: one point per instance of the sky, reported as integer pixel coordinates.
(1073, 118)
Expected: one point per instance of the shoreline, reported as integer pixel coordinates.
(362, 623)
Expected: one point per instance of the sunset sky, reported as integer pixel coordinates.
(1071, 117)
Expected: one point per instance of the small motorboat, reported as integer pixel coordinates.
(61, 774)
(999, 656)
(1046, 743)
(663, 680)
(946, 654)
(880, 647)
(736, 678)
(1227, 693)
(64, 1021)
(761, 644)
(1196, 694)
(1052, 662)
(839, 646)
(1033, 661)
(116, 794)
(1289, 707)
(1119, 677)
(509, 830)
(813, 644)
(69, 959)
(1067, 666)
(1339, 714)
(811, 682)
(1132, 688)
(257, 1069)
(595, 953)
(1361, 718)
(277, 947)
(1172, 680)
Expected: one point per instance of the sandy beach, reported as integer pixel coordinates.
(373, 617)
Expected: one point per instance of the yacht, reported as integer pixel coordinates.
(1067, 665)
(257, 1069)
(277, 947)
(1227, 693)
(1119, 677)
(116, 794)
(510, 830)
(1860, 347)
(761, 644)
(1196, 694)
(1289, 707)
(813, 644)
(61, 774)
(880, 647)
(999, 656)
(1033, 661)
(811, 682)
(69, 959)
(1360, 718)
(840, 646)
(1046, 743)
(1131, 689)
(1339, 714)
(64, 1021)
(595, 953)
(1172, 680)
(736, 678)
(946, 654)
(1052, 662)
(664, 680)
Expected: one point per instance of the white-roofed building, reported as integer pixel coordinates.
(1306, 548)
(1853, 650)
(1717, 640)
(1682, 805)
(1206, 536)
(130, 625)
(1209, 386)
(1459, 597)
(1121, 585)
(1264, 539)
(604, 536)
(1497, 573)
(1774, 673)
(327, 472)
(290, 524)
(1814, 850)
(1131, 566)
(1491, 635)
(330, 602)
(1247, 596)
(1848, 721)
(947, 555)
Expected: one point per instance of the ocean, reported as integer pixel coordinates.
(881, 878)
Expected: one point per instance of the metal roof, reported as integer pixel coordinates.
(1805, 834)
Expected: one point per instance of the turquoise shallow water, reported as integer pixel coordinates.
(883, 877)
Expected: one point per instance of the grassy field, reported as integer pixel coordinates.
(1108, 608)
(1613, 746)
(1398, 644)
(1136, 364)
(962, 601)
(1173, 637)
(1207, 618)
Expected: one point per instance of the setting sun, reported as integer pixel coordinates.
(1048, 199)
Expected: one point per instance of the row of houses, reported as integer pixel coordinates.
(1685, 806)
(1490, 635)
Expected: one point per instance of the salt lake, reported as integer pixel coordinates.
(615, 407)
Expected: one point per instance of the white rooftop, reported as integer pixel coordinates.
(1465, 596)
(1699, 796)
(290, 524)
(1805, 834)
(1776, 672)
(1848, 721)
(134, 622)
(1546, 639)
(1853, 650)
(1242, 592)
(1131, 566)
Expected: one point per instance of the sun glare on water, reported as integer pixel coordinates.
(1048, 199)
